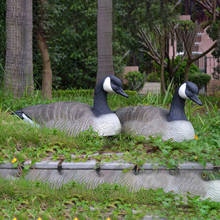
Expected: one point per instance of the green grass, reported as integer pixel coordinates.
(24, 142)
(31, 200)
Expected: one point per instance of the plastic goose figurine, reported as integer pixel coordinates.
(155, 121)
(74, 117)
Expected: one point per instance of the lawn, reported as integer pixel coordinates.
(21, 141)
(29, 200)
(35, 200)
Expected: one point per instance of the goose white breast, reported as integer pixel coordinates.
(107, 125)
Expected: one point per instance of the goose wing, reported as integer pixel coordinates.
(143, 120)
(72, 117)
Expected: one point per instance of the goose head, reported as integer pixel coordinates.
(189, 90)
(112, 84)
(109, 84)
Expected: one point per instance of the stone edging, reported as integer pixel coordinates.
(93, 164)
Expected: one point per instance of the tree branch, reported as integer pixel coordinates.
(179, 1)
(149, 45)
(208, 6)
(178, 65)
(204, 53)
(153, 57)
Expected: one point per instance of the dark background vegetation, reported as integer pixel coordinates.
(71, 38)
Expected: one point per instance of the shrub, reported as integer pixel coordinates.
(73, 92)
(80, 92)
(135, 80)
(153, 77)
(195, 75)
(200, 79)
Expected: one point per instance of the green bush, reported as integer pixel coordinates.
(200, 79)
(195, 75)
(135, 80)
(73, 92)
(81, 92)
(70, 32)
(153, 77)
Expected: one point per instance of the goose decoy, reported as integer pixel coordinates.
(155, 121)
(74, 117)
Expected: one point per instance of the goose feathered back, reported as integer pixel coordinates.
(142, 119)
(72, 117)
(152, 121)
(155, 121)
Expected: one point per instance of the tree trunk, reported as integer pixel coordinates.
(188, 64)
(186, 3)
(162, 78)
(47, 71)
(104, 39)
(214, 10)
(18, 78)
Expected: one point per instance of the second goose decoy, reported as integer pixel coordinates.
(74, 117)
(155, 121)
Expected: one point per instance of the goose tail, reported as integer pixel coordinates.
(19, 114)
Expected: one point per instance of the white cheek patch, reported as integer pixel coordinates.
(107, 85)
(182, 91)
(28, 120)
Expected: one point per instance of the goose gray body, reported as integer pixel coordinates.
(151, 121)
(75, 117)
(156, 121)
(72, 117)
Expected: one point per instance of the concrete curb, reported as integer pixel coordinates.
(187, 177)
(93, 164)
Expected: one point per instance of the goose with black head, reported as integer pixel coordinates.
(156, 121)
(75, 117)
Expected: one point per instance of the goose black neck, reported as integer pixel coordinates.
(100, 106)
(177, 111)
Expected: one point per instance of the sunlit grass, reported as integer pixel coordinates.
(23, 142)
(23, 199)
(20, 142)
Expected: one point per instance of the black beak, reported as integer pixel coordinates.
(120, 91)
(195, 99)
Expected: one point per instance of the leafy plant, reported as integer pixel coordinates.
(200, 79)
(153, 77)
(195, 75)
(135, 80)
